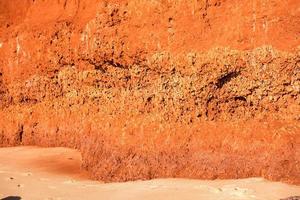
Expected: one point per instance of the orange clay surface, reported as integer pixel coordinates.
(155, 89)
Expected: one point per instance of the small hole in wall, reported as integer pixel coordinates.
(20, 134)
(227, 78)
(240, 98)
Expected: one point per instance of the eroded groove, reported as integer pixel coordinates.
(227, 78)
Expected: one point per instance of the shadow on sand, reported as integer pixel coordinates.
(292, 198)
(12, 198)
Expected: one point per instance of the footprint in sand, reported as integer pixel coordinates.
(238, 192)
(26, 174)
(9, 178)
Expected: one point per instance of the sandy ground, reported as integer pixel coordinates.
(54, 173)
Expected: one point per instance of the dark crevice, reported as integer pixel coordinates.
(223, 80)
(97, 66)
(20, 134)
(112, 63)
(240, 98)
(65, 4)
(207, 105)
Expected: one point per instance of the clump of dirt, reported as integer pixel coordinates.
(147, 93)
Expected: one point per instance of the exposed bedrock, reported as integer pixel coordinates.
(148, 89)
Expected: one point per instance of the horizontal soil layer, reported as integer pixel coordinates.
(116, 148)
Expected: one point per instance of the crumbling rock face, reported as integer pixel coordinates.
(147, 89)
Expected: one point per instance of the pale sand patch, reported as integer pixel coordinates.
(34, 173)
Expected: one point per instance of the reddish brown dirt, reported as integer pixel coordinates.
(146, 89)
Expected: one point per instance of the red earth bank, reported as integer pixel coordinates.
(146, 89)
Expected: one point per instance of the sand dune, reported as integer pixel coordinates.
(33, 173)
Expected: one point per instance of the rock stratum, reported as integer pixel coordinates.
(154, 88)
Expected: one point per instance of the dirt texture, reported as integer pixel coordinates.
(146, 89)
(38, 173)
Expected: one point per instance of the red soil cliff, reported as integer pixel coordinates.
(146, 89)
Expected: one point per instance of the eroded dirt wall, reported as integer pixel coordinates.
(147, 89)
